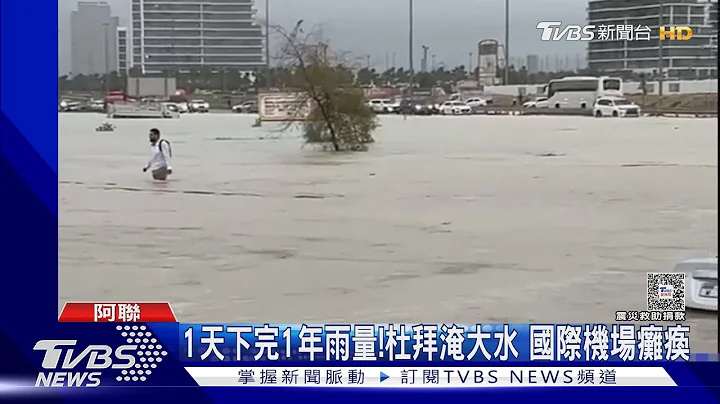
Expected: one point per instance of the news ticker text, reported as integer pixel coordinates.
(414, 377)
(434, 342)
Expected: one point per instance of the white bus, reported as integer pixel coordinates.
(581, 92)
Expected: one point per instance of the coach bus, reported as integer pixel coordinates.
(581, 92)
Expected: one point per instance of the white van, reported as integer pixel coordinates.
(701, 283)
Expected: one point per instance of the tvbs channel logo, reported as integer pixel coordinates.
(551, 32)
(676, 33)
(60, 363)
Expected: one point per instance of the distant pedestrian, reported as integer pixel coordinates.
(159, 163)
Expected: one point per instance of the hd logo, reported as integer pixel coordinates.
(134, 362)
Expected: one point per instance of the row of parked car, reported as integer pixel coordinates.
(427, 107)
(604, 106)
(404, 107)
(197, 106)
(612, 106)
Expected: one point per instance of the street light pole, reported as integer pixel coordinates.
(267, 44)
(507, 42)
(410, 47)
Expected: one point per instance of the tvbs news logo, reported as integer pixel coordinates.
(66, 364)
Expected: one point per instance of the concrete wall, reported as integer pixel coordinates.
(629, 87)
(151, 86)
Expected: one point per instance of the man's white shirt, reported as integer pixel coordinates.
(160, 157)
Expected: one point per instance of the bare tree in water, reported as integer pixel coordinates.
(336, 116)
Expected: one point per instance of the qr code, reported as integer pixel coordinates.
(666, 291)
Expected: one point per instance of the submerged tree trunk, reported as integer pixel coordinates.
(339, 119)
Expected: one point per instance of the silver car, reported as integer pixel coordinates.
(701, 283)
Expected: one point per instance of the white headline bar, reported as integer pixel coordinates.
(429, 377)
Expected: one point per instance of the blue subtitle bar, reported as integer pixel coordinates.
(433, 343)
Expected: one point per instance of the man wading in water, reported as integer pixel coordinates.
(159, 164)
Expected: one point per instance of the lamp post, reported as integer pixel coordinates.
(410, 47)
(507, 42)
(267, 44)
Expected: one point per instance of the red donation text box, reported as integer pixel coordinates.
(117, 312)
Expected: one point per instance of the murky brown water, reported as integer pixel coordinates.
(466, 219)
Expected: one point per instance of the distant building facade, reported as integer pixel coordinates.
(195, 34)
(532, 64)
(695, 58)
(93, 39)
(123, 55)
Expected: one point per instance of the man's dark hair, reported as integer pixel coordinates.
(155, 131)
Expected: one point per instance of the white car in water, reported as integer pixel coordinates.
(615, 107)
(383, 106)
(246, 107)
(476, 102)
(199, 106)
(540, 102)
(701, 283)
(455, 108)
(67, 105)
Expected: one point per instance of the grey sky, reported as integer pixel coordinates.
(451, 28)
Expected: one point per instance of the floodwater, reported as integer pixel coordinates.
(445, 219)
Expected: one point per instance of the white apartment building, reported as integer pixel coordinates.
(695, 58)
(183, 35)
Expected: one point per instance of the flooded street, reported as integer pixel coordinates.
(445, 219)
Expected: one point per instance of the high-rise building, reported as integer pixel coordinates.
(123, 51)
(694, 58)
(93, 43)
(533, 64)
(195, 34)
